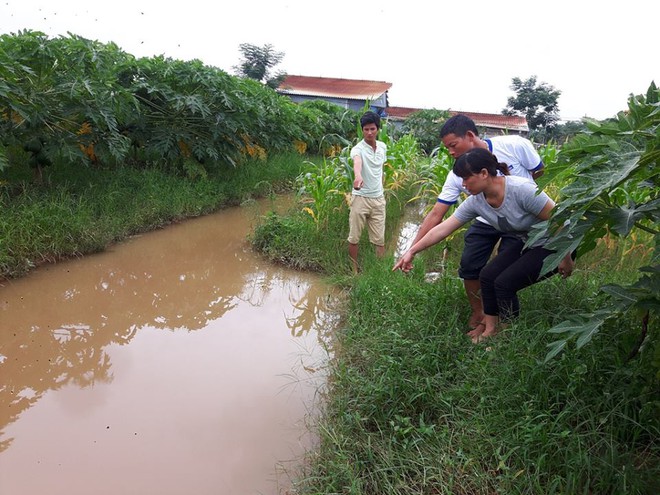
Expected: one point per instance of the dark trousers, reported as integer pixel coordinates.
(511, 270)
(479, 242)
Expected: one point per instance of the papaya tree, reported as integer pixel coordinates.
(61, 99)
(614, 189)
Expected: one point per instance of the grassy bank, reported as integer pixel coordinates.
(83, 210)
(413, 407)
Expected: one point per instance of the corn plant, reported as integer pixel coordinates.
(323, 188)
(402, 157)
(431, 176)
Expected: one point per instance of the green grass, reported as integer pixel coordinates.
(414, 407)
(79, 211)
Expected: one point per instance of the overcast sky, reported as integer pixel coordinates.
(437, 54)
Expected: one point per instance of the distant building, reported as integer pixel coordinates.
(489, 124)
(354, 93)
(347, 93)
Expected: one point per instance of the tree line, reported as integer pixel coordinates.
(73, 100)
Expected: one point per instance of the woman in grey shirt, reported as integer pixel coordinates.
(511, 205)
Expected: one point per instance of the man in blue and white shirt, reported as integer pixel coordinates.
(459, 134)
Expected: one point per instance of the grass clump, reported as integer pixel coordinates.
(83, 210)
(414, 407)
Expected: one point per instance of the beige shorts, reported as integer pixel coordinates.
(369, 211)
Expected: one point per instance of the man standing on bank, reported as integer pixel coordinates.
(367, 199)
(459, 134)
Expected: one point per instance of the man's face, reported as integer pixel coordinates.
(370, 132)
(458, 145)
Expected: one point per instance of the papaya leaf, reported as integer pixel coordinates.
(587, 332)
(604, 176)
(584, 328)
(572, 326)
(555, 348)
(652, 95)
(623, 295)
(623, 219)
(566, 241)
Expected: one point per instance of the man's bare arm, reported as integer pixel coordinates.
(433, 218)
(357, 171)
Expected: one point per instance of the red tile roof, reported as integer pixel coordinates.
(401, 112)
(492, 120)
(353, 89)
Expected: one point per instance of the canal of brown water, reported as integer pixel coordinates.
(177, 362)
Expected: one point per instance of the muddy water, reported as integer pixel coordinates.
(176, 362)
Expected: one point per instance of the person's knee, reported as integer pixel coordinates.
(469, 267)
(469, 273)
(487, 276)
(501, 286)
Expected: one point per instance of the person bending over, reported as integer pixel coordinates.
(459, 134)
(511, 205)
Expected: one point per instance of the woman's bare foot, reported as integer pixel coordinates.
(484, 336)
(475, 320)
(488, 328)
(477, 330)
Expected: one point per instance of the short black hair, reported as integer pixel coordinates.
(370, 118)
(459, 125)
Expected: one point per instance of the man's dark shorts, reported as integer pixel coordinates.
(480, 240)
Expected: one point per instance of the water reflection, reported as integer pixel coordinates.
(413, 214)
(61, 325)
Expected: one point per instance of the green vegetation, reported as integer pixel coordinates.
(413, 407)
(96, 145)
(120, 146)
(80, 102)
(613, 188)
(257, 61)
(425, 125)
(537, 102)
(83, 210)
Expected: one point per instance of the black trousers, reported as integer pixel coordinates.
(511, 270)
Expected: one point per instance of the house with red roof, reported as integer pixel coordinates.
(347, 93)
(354, 93)
(489, 124)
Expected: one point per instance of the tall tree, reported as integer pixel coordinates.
(257, 62)
(537, 102)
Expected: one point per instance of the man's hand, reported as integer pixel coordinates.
(566, 266)
(405, 262)
(358, 183)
